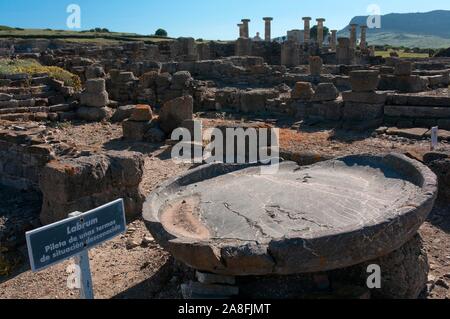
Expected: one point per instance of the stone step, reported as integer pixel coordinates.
(417, 111)
(25, 90)
(417, 133)
(39, 116)
(413, 100)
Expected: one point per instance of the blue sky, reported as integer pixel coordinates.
(208, 19)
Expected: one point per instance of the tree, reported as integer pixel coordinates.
(161, 33)
(313, 33)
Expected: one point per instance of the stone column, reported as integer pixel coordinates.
(294, 35)
(268, 29)
(241, 30)
(307, 29)
(353, 35)
(363, 44)
(333, 40)
(320, 22)
(246, 29)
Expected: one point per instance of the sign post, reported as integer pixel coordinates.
(434, 137)
(74, 237)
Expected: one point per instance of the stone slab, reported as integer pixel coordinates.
(232, 220)
(364, 97)
(417, 111)
(415, 133)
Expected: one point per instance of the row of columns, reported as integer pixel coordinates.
(353, 36)
(244, 30)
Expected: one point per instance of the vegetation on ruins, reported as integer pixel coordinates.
(313, 34)
(8, 66)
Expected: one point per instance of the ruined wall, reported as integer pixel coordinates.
(23, 154)
(83, 183)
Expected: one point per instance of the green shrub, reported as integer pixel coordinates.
(31, 67)
(161, 33)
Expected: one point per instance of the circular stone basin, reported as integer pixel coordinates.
(234, 220)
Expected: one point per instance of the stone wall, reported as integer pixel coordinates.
(406, 110)
(23, 154)
(84, 183)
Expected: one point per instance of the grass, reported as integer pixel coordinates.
(402, 54)
(31, 67)
(79, 36)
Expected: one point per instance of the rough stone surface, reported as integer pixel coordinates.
(95, 86)
(155, 135)
(175, 112)
(364, 97)
(286, 230)
(134, 130)
(403, 68)
(364, 81)
(122, 113)
(404, 272)
(94, 99)
(325, 92)
(439, 163)
(83, 183)
(302, 91)
(141, 113)
(360, 112)
(93, 114)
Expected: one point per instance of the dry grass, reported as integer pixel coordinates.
(31, 67)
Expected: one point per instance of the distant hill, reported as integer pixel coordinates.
(423, 30)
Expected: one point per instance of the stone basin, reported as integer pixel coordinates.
(233, 220)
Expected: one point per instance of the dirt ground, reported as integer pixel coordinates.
(134, 266)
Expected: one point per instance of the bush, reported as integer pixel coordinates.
(33, 67)
(161, 33)
(100, 30)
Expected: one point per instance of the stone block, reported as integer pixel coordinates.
(94, 99)
(141, 113)
(361, 112)
(84, 183)
(364, 97)
(174, 112)
(325, 92)
(364, 80)
(93, 114)
(302, 91)
(417, 111)
(122, 113)
(155, 135)
(403, 68)
(95, 86)
(135, 131)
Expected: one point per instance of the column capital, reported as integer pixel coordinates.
(246, 20)
(307, 18)
(354, 25)
(320, 20)
(268, 19)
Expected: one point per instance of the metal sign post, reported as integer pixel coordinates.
(74, 237)
(434, 138)
(83, 271)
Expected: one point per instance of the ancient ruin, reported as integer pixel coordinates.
(360, 183)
